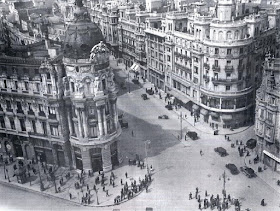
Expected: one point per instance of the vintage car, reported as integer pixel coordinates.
(169, 107)
(192, 135)
(232, 168)
(248, 171)
(221, 151)
(163, 117)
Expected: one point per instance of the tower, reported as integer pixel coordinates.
(90, 95)
(225, 10)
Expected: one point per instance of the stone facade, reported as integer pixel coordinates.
(267, 115)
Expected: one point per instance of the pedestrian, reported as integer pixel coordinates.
(113, 183)
(104, 188)
(262, 202)
(196, 190)
(87, 187)
(146, 188)
(200, 152)
(225, 137)
(199, 206)
(125, 174)
(132, 133)
(94, 187)
(206, 194)
(190, 196)
(121, 182)
(198, 198)
(107, 192)
(196, 195)
(70, 196)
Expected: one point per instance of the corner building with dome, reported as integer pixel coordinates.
(63, 101)
(90, 95)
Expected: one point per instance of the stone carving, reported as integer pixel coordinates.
(79, 87)
(99, 53)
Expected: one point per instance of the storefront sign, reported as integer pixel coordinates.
(271, 156)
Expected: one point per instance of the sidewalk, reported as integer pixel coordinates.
(98, 199)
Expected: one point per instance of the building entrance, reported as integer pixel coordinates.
(18, 148)
(96, 159)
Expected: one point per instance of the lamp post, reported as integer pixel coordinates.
(41, 182)
(146, 151)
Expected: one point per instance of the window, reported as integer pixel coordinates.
(195, 69)
(227, 88)
(49, 87)
(40, 107)
(2, 122)
(228, 62)
(16, 85)
(103, 84)
(228, 75)
(26, 85)
(241, 51)
(195, 80)
(215, 87)
(22, 124)
(48, 76)
(33, 123)
(268, 132)
(261, 113)
(93, 131)
(37, 87)
(269, 117)
(216, 50)
(168, 58)
(229, 51)
(54, 130)
(12, 123)
(9, 106)
(216, 63)
(19, 107)
(52, 110)
(44, 127)
(5, 84)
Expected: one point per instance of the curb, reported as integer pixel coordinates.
(58, 197)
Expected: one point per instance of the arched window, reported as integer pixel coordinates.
(220, 36)
(236, 34)
(229, 37)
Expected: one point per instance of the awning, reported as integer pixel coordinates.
(135, 67)
(271, 156)
(227, 117)
(214, 114)
(180, 96)
(195, 107)
(204, 112)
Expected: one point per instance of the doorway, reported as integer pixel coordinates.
(18, 148)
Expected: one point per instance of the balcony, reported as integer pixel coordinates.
(42, 113)
(20, 111)
(206, 78)
(225, 81)
(52, 116)
(216, 68)
(10, 110)
(182, 67)
(206, 66)
(229, 68)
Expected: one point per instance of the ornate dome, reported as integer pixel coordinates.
(81, 34)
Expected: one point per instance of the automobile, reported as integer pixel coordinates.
(233, 169)
(123, 124)
(221, 151)
(150, 91)
(163, 117)
(135, 81)
(251, 143)
(248, 171)
(192, 135)
(144, 97)
(169, 107)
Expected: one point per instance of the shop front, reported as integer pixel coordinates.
(271, 160)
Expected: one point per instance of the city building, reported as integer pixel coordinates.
(212, 61)
(267, 115)
(58, 102)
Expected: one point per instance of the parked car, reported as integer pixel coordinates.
(233, 169)
(135, 81)
(123, 124)
(163, 117)
(248, 171)
(169, 107)
(192, 135)
(221, 151)
(144, 97)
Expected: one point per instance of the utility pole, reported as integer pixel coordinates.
(181, 126)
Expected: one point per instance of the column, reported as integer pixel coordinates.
(85, 122)
(79, 123)
(70, 121)
(220, 103)
(100, 125)
(106, 158)
(234, 106)
(115, 112)
(105, 122)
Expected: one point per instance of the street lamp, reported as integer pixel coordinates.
(41, 183)
(146, 151)
(224, 183)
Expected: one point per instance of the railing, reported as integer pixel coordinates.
(228, 68)
(183, 67)
(225, 81)
(216, 68)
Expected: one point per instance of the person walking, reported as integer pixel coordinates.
(190, 196)
(206, 194)
(201, 153)
(121, 182)
(262, 202)
(125, 174)
(107, 193)
(132, 134)
(70, 196)
(199, 206)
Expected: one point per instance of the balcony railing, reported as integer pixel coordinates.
(229, 68)
(182, 67)
(216, 68)
(225, 81)
(10, 110)
(42, 113)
